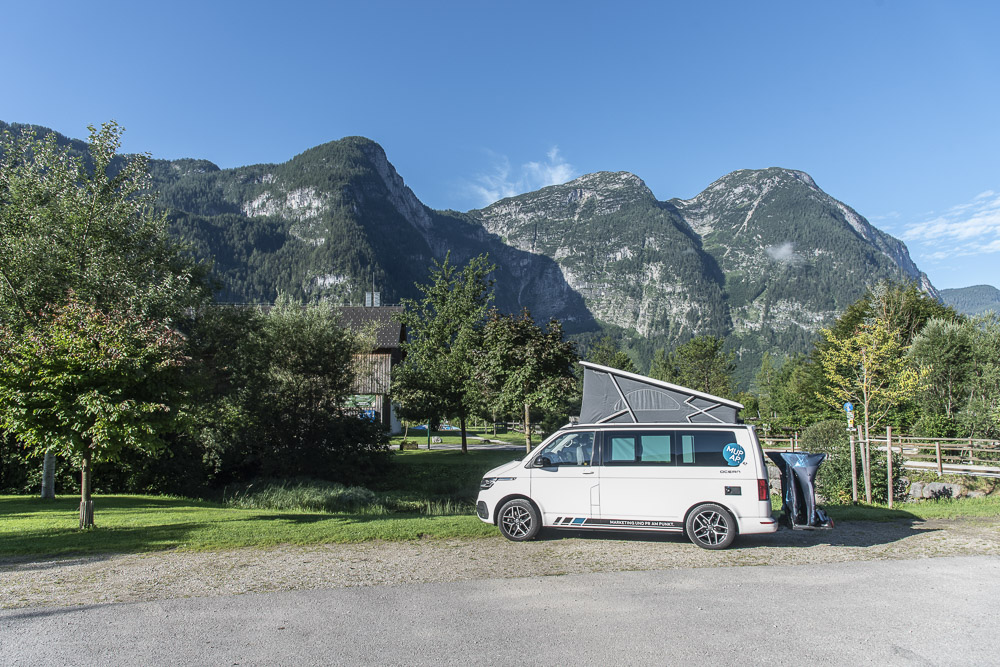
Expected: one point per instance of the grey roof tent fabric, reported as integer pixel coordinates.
(611, 396)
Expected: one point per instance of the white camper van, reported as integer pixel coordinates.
(647, 456)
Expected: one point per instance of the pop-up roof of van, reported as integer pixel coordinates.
(611, 396)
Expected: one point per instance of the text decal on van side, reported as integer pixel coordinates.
(733, 454)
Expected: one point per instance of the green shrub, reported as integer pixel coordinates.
(936, 426)
(833, 481)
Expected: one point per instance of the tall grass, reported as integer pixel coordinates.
(330, 497)
(307, 495)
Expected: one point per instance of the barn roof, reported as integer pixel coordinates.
(389, 331)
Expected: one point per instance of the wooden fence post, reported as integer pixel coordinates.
(888, 459)
(866, 465)
(854, 470)
(937, 450)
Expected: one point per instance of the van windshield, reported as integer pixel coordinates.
(572, 449)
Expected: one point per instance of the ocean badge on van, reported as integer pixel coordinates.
(733, 454)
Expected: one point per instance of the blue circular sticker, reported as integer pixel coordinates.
(733, 454)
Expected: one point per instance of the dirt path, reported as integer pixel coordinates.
(177, 574)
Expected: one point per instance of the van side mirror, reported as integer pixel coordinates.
(543, 462)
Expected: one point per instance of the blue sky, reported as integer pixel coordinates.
(891, 106)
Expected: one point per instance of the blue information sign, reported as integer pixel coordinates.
(848, 407)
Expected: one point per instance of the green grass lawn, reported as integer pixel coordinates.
(135, 524)
(947, 508)
(440, 478)
(471, 435)
(479, 458)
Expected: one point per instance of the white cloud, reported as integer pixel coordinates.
(784, 253)
(502, 181)
(966, 229)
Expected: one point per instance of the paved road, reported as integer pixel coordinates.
(912, 612)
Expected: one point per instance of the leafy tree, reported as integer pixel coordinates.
(83, 226)
(284, 378)
(944, 350)
(607, 353)
(794, 391)
(525, 367)
(69, 223)
(869, 369)
(90, 383)
(662, 366)
(902, 306)
(439, 376)
(981, 415)
(699, 364)
(787, 393)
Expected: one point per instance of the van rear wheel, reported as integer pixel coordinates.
(711, 526)
(518, 520)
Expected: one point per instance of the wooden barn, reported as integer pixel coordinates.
(374, 369)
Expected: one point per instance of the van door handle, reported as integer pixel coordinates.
(589, 472)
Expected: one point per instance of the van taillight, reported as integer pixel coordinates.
(763, 493)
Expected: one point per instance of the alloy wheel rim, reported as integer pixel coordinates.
(516, 521)
(710, 527)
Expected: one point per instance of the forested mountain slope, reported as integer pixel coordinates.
(327, 223)
(762, 256)
(793, 256)
(974, 300)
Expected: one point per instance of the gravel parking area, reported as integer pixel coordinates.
(179, 574)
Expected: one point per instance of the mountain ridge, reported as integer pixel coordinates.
(973, 300)
(764, 257)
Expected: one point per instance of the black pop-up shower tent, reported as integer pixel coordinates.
(798, 489)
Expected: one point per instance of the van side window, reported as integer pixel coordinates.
(573, 449)
(632, 449)
(703, 448)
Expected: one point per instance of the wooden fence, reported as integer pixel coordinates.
(790, 443)
(952, 456)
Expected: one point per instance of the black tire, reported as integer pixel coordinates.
(518, 520)
(711, 526)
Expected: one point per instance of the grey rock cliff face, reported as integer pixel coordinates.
(793, 256)
(762, 256)
(634, 262)
(759, 251)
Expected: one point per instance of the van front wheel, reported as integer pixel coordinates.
(518, 520)
(711, 527)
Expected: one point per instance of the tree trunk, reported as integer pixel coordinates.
(527, 427)
(461, 424)
(49, 475)
(86, 504)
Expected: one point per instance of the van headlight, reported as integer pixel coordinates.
(488, 482)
